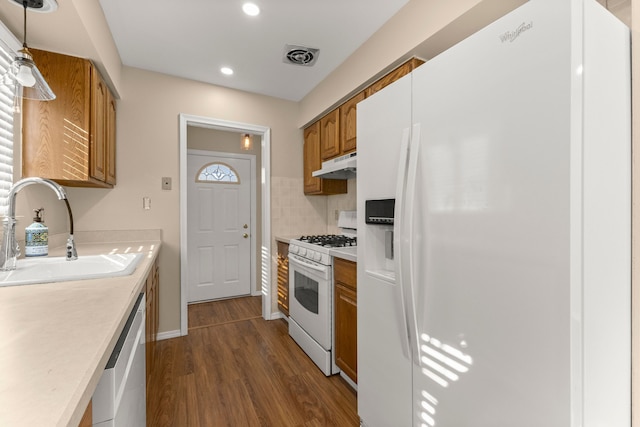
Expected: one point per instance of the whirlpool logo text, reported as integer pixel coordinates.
(510, 36)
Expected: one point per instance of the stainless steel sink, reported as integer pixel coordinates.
(31, 271)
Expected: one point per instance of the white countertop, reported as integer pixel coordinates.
(285, 239)
(56, 338)
(349, 253)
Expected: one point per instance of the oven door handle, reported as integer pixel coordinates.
(300, 261)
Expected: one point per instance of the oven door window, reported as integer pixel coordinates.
(306, 292)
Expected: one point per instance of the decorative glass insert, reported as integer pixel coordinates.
(218, 172)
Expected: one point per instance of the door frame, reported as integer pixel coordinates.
(265, 182)
(253, 210)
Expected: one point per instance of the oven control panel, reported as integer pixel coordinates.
(310, 254)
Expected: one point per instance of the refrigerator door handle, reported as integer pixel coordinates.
(407, 266)
(398, 220)
(404, 216)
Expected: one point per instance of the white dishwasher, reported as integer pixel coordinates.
(120, 397)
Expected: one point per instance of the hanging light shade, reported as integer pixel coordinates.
(23, 74)
(246, 142)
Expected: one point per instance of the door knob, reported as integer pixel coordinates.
(245, 235)
(245, 226)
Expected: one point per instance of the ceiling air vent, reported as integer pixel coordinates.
(300, 55)
(43, 6)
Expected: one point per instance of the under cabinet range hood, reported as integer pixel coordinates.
(343, 167)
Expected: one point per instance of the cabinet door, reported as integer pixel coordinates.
(98, 137)
(330, 135)
(311, 159)
(152, 295)
(283, 277)
(55, 134)
(149, 325)
(312, 162)
(346, 317)
(87, 418)
(348, 124)
(346, 324)
(111, 139)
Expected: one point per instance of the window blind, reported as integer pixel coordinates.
(6, 131)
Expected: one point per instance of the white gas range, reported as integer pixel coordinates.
(311, 290)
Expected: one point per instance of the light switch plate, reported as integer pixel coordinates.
(166, 183)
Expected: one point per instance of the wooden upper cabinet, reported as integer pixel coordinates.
(348, 124)
(312, 162)
(335, 134)
(394, 75)
(70, 139)
(98, 135)
(311, 156)
(111, 140)
(330, 135)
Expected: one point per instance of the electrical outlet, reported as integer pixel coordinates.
(166, 183)
(337, 214)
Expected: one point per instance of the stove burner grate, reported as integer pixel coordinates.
(330, 240)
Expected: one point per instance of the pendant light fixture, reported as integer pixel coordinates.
(23, 73)
(246, 142)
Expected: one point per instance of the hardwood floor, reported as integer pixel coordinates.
(236, 369)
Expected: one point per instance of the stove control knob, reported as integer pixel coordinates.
(302, 251)
(293, 249)
(317, 256)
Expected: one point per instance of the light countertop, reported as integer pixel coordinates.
(285, 239)
(56, 338)
(349, 253)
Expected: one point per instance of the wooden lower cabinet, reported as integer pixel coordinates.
(283, 278)
(87, 418)
(152, 295)
(346, 317)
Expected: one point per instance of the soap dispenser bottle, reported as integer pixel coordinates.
(37, 236)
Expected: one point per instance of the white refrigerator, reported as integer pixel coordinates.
(499, 296)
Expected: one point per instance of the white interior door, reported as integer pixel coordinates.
(219, 219)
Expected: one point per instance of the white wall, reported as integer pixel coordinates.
(147, 150)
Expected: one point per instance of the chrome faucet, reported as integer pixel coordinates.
(9, 251)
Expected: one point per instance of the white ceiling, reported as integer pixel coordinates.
(194, 38)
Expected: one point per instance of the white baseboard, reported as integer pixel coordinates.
(278, 315)
(349, 381)
(168, 334)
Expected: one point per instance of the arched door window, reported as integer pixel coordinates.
(216, 173)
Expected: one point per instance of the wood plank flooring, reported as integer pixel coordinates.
(236, 369)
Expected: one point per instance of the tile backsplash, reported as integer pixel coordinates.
(293, 213)
(340, 202)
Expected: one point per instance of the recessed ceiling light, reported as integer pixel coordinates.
(251, 9)
(226, 71)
